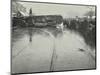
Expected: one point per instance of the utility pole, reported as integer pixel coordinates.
(30, 12)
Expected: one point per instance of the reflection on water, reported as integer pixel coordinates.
(30, 34)
(33, 49)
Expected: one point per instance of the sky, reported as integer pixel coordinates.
(56, 9)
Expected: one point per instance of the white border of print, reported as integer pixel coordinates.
(5, 37)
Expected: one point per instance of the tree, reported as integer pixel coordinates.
(90, 14)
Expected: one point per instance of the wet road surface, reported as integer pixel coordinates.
(48, 49)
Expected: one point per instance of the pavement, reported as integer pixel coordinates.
(42, 49)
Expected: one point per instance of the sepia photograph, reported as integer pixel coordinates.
(52, 37)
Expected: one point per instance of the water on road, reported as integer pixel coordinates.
(46, 49)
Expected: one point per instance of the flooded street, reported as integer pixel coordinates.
(48, 49)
